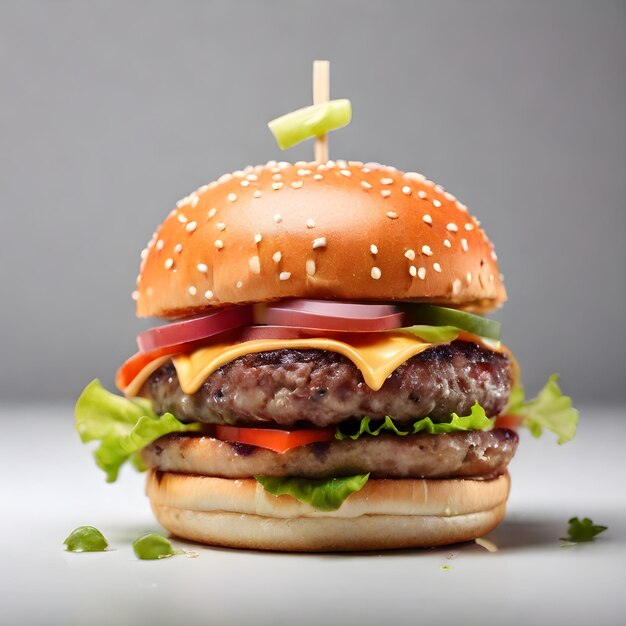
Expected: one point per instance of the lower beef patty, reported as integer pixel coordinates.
(474, 454)
(303, 387)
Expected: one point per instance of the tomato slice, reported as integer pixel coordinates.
(512, 422)
(327, 315)
(194, 328)
(272, 438)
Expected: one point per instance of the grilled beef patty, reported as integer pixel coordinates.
(320, 388)
(473, 454)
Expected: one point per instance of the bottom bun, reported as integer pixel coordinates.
(385, 514)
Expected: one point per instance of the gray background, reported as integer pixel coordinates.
(109, 112)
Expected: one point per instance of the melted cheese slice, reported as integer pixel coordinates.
(376, 357)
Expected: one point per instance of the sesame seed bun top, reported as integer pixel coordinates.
(336, 230)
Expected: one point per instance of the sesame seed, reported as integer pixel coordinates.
(386, 181)
(310, 267)
(169, 264)
(468, 277)
(232, 197)
(276, 186)
(252, 177)
(276, 257)
(494, 256)
(392, 215)
(300, 163)
(365, 184)
(376, 273)
(317, 177)
(374, 249)
(461, 206)
(220, 226)
(144, 254)
(410, 254)
(366, 170)
(464, 245)
(320, 242)
(490, 278)
(347, 173)
(342, 164)
(283, 164)
(422, 194)
(421, 273)
(182, 202)
(219, 244)
(192, 290)
(258, 237)
(202, 189)
(284, 276)
(203, 267)
(453, 228)
(436, 203)
(239, 284)
(277, 177)
(456, 286)
(355, 163)
(212, 213)
(296, 184)
(149, 292)
(413, 270)
(439, 189)
(469, 226)
(278, 218)
(182, 218)
(372, 165)
(426, 250)
(159, 244)
(449, 196)
(178, 248)
(275, 169)
(406, 190)
(303, 172)
(446, 243)
(385, 193)
(310, 223)
(254, 264)
(330, 164)
(135, 295)
(437, 267)
(257, 193)
(208, 294)
(427, 219)
(245, 183)
(224, 178)
(191, 227)
(194, 200)
(414, 176)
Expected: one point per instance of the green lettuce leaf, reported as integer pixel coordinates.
(550, 410)
(476, 420)
(324, 495)
(121, 426)
(433, 334)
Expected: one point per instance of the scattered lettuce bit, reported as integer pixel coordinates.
(476, 420)
(324, 495)
(121, 426)
(550, 410)
(433, 334)
(152, 546)
(86, 539)
(582, 530)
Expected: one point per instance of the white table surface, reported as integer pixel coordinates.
(50, 485)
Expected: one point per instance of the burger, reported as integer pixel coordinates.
(324, 378)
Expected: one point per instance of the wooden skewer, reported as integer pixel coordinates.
(321, 92)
